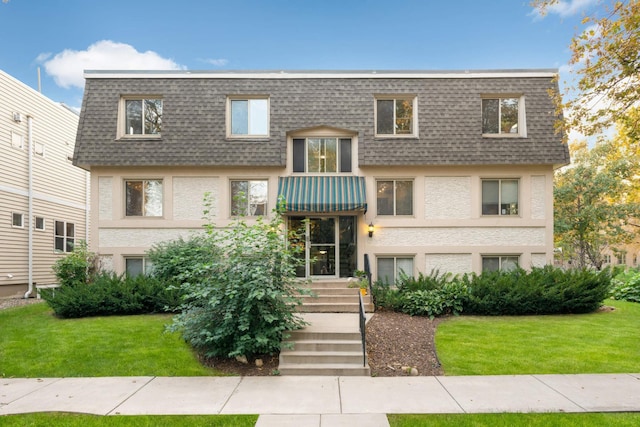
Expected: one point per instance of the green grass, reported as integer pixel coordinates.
(602, 342)
(82, 420)
(509, 420)
(34, 343)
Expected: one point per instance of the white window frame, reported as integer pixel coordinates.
(143, 215)
(14, 216)
(65, 237)
(248, 197)
(35, 223)
(122, 117)
(414, 119)
(501, 259)
(396, 272)
(517, 208)
(395, 196)
(522, 123)
(248, 98)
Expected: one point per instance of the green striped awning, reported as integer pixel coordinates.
(323, 193)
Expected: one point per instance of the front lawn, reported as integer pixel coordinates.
(83, 420)
(508, 420)
(601, 342)
(34, 343)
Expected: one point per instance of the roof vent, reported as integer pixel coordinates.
(17, 117)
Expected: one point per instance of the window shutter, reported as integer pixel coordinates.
(345, 155)
(298, 155)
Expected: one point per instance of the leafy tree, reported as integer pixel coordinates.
(606, 60)
(595, 201)
(243, 301)
(78, 267)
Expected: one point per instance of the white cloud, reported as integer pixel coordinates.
(216, 62)
(67, 67)
(565, 8)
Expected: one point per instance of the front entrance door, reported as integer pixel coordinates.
(328, 247)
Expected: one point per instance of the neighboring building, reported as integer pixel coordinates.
(453, 170)
(43, 197)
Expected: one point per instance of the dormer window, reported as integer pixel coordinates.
(248, 117)
(503, 116)
(142, 117)
(395, 116)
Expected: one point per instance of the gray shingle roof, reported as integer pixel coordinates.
(194, 130)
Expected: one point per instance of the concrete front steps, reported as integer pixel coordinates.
(330, 345)
(333, 296)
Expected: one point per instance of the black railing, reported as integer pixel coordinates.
(363, 317)
(363, 336)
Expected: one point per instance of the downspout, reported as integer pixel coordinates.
(30, 214)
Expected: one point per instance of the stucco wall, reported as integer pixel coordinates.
(188, 196)
(448, 263)
(105, 196)
(464, 236)
(447, 197)
(538, 197)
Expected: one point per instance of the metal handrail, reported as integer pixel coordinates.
(363, 337)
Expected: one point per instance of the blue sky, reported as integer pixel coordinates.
(63, 37)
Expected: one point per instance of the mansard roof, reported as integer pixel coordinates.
(195, 102)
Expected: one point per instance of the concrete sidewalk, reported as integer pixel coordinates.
(323, 401)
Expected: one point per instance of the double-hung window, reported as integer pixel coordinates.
(503, 116)
(143, 197)
(64, 236)
(389, 268)
(395, 116)
(248, 117)
(500, 262)
(142, 117)
(322, 155)
(500, 197)
(249, 197)
(394, 197)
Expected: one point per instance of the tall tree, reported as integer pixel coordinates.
(596, 200)
(606, 61)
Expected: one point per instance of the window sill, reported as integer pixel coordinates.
(412, 136)
(248, 138)
(140, 137)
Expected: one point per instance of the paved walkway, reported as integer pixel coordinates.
(325, 401)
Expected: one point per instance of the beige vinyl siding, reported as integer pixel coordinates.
(59, 188)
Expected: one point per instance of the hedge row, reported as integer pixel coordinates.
(546, 290)
(111, 294)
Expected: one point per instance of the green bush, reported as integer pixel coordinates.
(241, 303)
(546, 290)
(111, 294)
(385, 296)
(178, 260)
(434, 280)
(626, 286)
(447, 299)
(78, 267)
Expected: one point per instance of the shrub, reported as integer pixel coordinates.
(626, 286)
(447, 299)
(78, 267)
(546, 290)
(110, 294)
(241, 303)
(386, 297)
(178, 260)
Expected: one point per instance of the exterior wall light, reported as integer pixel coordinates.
(371, 229)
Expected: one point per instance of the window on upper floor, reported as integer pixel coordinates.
(500, 262)
(142, 117)
(17, 220)
(322, 155)
(390, 267)
(500, 196)
(64, 236)
(503, 116)
(248, 117)
(249, 197)
(143, 197)
(394, 197)
(395, 116)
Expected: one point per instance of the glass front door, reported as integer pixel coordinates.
(328, 246)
